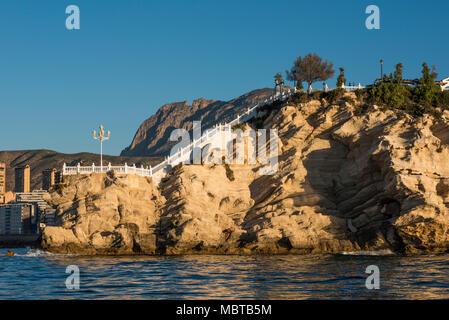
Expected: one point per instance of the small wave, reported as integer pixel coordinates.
(41, 253)
(385, 252)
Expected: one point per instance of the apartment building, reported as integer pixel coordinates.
(18, 218)
(2, 182)
(22, 179)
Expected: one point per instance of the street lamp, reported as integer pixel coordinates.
(381, 70)
(101, 137)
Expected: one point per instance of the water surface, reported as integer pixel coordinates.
(33, 274)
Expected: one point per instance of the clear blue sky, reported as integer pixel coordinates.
(130, 57)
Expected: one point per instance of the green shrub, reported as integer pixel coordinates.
(391, 94)
(414, 101)
(240, 126)
(334, 96)
(317, 95)
(257, 122)
(360, 109)
(443, 100)
(359, 93)
(177, 167)
(349, 100)
(299, 97)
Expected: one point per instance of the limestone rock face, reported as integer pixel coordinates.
(104, 214)
(204, 210)
(345, 182)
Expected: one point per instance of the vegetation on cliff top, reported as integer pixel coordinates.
(425, 97)
(391, 92)
(310, 69)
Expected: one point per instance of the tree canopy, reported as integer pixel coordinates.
(398, 72)
(341, 80)
(425, 97)
(310, 69)
(278, 77)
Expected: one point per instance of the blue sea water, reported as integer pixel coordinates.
(33, 274)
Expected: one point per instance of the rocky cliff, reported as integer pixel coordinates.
(152, 137)
(347, 181)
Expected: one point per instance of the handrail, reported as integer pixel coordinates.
(205, 137)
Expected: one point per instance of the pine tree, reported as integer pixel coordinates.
(310, 69)
(427, 91)
(398, 73)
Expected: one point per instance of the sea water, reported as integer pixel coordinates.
(34, 274)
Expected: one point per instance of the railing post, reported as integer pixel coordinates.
(126, 167)
(78, 168)
(109, 166)
(63, 168)
(93, 167)
(151, 171)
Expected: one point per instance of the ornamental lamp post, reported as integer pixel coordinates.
(381, 70)
(101, 137)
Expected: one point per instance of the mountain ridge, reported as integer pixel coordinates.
(152, 136)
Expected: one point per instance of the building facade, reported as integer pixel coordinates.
(50, 177)
(10, 197)
(37, 197)
(22, 179)
(2, 182)
(18, 218)
(44, 213)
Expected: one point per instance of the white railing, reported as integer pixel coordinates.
(78, 169)
(183, 154)
(445, 85)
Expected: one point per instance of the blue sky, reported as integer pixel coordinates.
(131, 57)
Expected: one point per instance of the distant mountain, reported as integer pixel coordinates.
(152, 137)
(39, 160)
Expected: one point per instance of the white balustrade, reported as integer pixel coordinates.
(184, 153)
